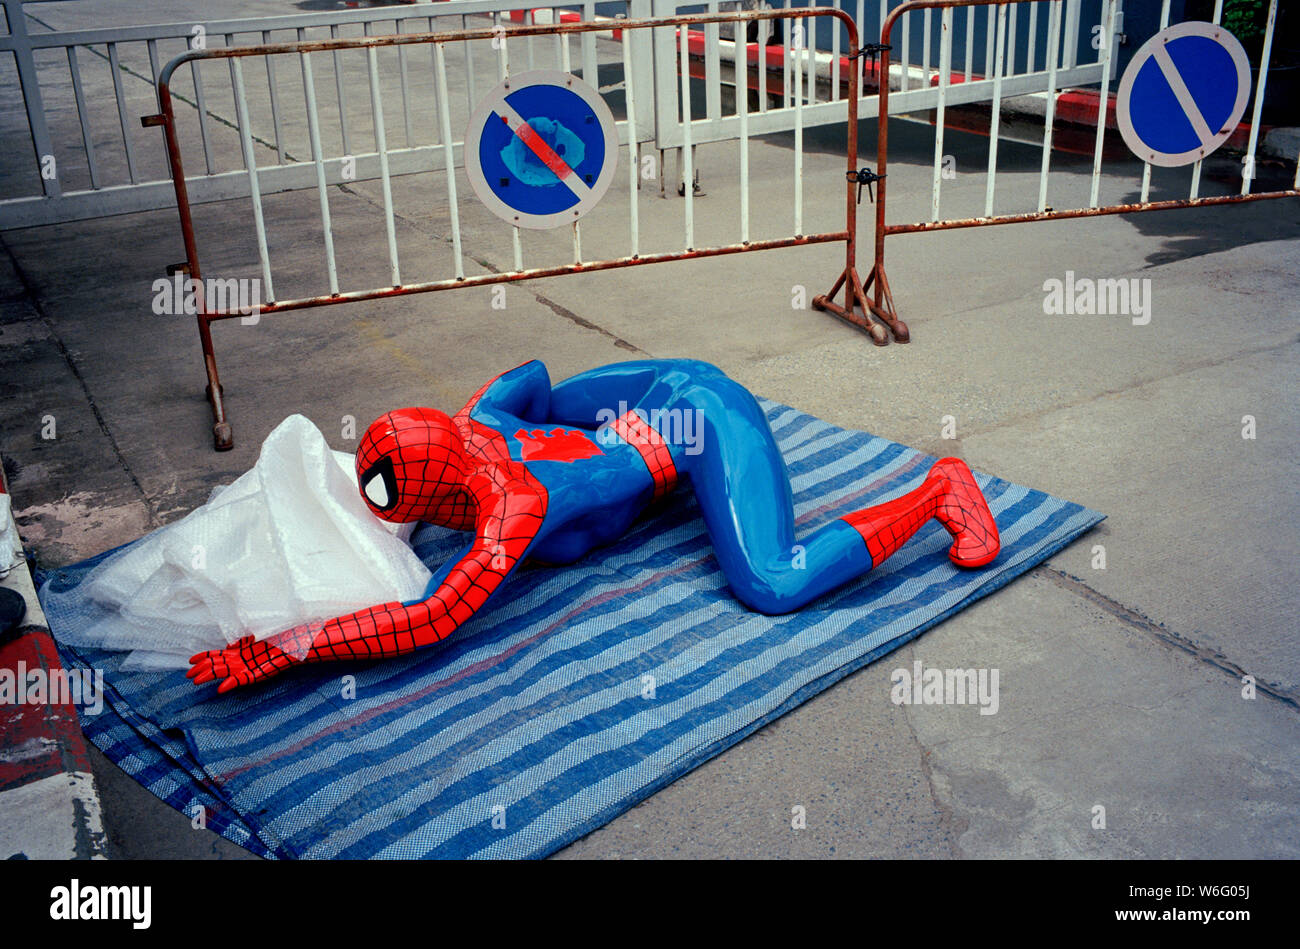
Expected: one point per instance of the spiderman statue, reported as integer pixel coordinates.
(538, 472)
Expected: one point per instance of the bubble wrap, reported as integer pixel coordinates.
(288, 542)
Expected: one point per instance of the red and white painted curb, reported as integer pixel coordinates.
(49, 809)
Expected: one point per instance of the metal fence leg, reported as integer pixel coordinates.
(222, 437)
(855, 291)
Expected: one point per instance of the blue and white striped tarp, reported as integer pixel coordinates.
(536, 713)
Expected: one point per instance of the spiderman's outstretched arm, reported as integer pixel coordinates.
(510, 516)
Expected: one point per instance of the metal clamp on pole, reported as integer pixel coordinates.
(873, 50)
(864, 177)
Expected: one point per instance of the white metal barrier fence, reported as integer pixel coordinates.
(87, 161)
(815, 67)
(441, 209)
(881, 305)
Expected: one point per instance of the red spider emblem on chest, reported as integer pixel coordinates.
(556, 445)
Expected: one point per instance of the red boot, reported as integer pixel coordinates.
(950, 494)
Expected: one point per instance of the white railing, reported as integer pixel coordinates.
(104, 80)
(801, 78)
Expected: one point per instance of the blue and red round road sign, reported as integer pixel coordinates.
(1183, 93)
(541, 149)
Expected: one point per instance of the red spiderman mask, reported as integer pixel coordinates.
(411, 466)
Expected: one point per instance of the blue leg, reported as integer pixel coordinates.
(743, 489)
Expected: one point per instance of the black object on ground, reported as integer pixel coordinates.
(12, 609)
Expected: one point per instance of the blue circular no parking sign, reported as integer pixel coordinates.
(541, 149)
(1183, 94)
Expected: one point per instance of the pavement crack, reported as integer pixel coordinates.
(30, 291)
(953, 827)
(1135, 620)
(564, 311)
(556, 308)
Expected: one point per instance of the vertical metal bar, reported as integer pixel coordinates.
(799, 51)
(503, 53)
(275, 100)
(836, 28)
(1010, 61)
(1032, 59)
(381, 146)
(1146, 165)
(1070, 52)
(250, 164)
(945, 77)
(468, 47)
(433, 71)
(313, 133)
(590, 72)
(152, 46)
(990, 32)
(970, 42)
(996, 118)
(403, 73)
(1103, 101)
(688, 169)
(905, 60)
(1196, 168)
(810, 41)
(764, 28)
(32, 100)
(121, 110)
(789, 26)
(577, 243)
(449, 156)
(339, 87)
(925, 49)
(712, 68)
(880, 25)
(1265, 56)
(633, 172)
(566, 56)
(503, 70)
(530, 18)
(197, 76)
(1049, 121)
(87, 139)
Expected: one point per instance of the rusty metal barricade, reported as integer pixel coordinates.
(437, 41)
(881, 304)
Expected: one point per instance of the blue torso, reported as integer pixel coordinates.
(596, 483)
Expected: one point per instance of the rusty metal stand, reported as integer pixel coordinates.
(855, 299)
(855, 291)
(222, 437)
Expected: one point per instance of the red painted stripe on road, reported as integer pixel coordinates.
(37, 738)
